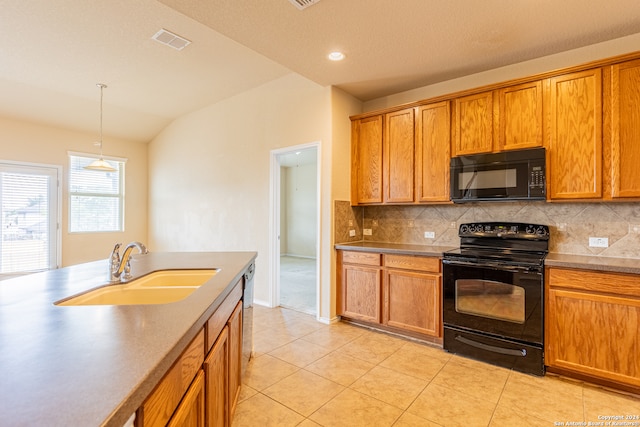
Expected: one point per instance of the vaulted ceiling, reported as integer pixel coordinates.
(53, 53)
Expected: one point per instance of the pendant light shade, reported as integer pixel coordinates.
(101, 164)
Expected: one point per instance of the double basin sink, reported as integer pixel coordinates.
(160, 287)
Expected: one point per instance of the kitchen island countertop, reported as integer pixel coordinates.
(95, 365)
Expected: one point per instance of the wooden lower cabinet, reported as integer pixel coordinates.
(190, 412)
(160, 406)
(398, 292)
(203, 385)
(592, 325)
(235, 357)
(412, 301)
(360, 285)
(216, 367)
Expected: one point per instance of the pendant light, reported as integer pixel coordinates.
(100, 164)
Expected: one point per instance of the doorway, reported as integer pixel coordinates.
(295, 202)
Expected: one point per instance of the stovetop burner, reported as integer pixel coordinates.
(505, 242)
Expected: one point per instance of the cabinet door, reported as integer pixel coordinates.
(625, 129)
(433, 142)
(412, 301)
(235, 358)
(158, 408)
(575, 136)
(473, 124)
(361, 291)
(520, 116)
(594, 334)
(398, 156)
(366, 160)
(190, 412)
(216, 367)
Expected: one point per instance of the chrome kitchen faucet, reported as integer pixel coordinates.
(120, 269)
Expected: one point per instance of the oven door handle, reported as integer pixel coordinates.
(492, 348)
(493, 265)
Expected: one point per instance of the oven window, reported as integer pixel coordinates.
(493, 300)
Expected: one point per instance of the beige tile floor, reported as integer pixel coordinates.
(307, 374)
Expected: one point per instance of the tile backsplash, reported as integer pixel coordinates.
(571, 224)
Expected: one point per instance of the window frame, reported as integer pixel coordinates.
(55, 198)
(120, 196)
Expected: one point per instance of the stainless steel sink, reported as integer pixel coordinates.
(160, 287)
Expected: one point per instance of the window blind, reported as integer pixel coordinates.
(29, 218)
(96, 198)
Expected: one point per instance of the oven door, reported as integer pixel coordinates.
(502, 301)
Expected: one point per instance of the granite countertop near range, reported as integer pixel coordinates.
(596, 263)
(95, 365)
(394, 248)
(585, 262)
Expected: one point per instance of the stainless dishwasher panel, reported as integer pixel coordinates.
(247, 317)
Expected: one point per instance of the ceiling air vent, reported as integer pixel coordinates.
(170, 39)
(303, 4)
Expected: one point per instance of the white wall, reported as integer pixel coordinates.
(209, 170)
(300, 211)
(36, 143)
(343, 105)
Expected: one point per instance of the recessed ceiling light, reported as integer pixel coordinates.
(336, 56)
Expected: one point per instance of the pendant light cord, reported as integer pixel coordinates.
(101, 86)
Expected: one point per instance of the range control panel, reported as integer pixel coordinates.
(511, 230)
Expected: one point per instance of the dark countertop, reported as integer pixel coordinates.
(596, 263)
(394, 248)
(95, 365)
(585, 262)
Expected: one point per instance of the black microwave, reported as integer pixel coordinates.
(510, 175)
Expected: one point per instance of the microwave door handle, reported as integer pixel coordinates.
(465, 194)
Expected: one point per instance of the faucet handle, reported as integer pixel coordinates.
(116, 249)
(126, 274)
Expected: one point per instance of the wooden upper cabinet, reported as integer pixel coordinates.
(433, 142)
(624, 104)
(574, 166)
(520, 118)
(398, 143)
(366, 160)
(473, 124)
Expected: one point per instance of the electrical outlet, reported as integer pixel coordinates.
(350, 223)
(410, 223)
(562, 226)
(429, 234)
(367, 232)
(598, 242)
(374, 222)
(352, 233)
(453, 225)
(634, 228)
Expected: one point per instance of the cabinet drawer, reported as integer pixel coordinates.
(411, 262)
(365, 258)
(163, 401)
(594, 281)
(218, 319)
